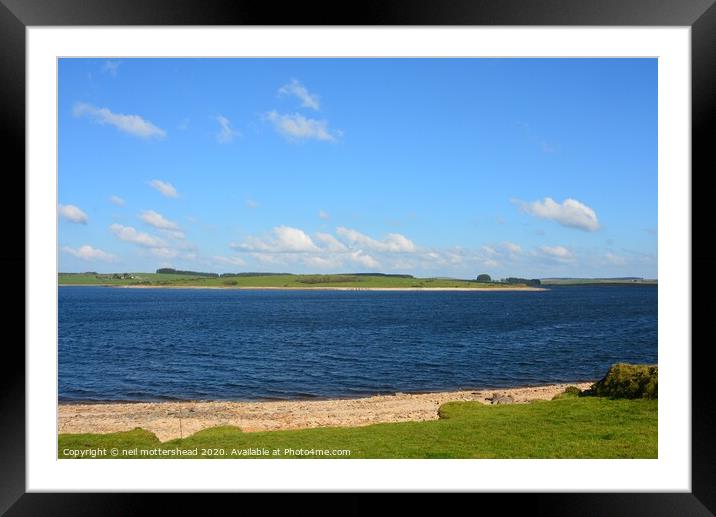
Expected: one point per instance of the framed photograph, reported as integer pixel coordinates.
(426, 249)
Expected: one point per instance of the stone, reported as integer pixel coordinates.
(501, 399)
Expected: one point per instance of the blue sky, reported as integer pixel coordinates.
(433, 167)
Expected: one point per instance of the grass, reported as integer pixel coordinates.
(89, 279)
(599, 281)
(289, 281)
(579, 427)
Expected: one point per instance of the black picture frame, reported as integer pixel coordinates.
(699, 15)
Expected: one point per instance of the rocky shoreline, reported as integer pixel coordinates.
(169, 420)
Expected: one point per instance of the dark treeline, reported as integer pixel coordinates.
(527, 281)
(599, 278)
(172, 271)
(485, 278)
(379, 274)
(252, 273)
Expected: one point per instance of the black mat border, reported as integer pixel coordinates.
(700, 15)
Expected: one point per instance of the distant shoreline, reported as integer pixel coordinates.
(267, 288)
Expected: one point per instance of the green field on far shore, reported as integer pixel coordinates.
(599, 281)
(570, 427)
(272, 280)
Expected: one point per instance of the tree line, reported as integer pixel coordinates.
(485, 278)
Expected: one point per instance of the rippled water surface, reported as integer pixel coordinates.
(155, 344)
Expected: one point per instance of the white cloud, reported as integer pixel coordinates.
(346, 249)
(321, 262)
(287, 245)
(265, 258)
(111, 67)
(132, 124)
(399, 243)
(293, 239)
(449, 257)
(323, 215)
(165, 188)
(116, 200)
(559, 252)
(157, 220)
(129, 234)
(164, 252)
(284, 239)
(569, 213)
(230, 261)
(512, 247)
(330, 242)
(255, 244)
(175, 234)
(403, 265)
(226, 134)
(393, 242)
(87, 252)
(496, 251)
(355, 237)
(295, 88)
(454, 258)
(72, 214)
(152, 245)
(250, 203)
(364, 260)
(297, 127)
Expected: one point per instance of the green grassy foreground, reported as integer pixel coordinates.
(569, 427)
(288, 281)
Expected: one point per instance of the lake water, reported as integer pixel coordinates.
(163, 344)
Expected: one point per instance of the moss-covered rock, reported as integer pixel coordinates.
(568, 393)
(628, 381)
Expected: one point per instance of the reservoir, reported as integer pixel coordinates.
(121, 344)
